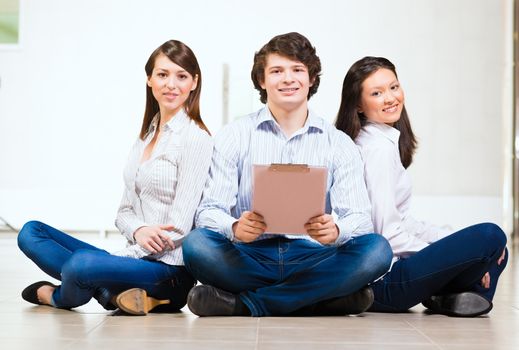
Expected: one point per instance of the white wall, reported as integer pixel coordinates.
(72, 97)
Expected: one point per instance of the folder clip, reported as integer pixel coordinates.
(292, 168)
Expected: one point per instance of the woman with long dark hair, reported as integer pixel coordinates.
(164, 178)
(450, 273)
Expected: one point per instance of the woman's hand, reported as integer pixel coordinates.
(249, 226)
(322, 228)
(502, 257)
(485, 281)
(153, 239)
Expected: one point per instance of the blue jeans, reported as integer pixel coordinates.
(453, 264)
(86, 271)
(278, 275)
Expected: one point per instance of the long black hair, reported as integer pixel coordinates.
(350, 120)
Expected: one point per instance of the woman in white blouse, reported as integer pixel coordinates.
(164, 179)
(454, 274)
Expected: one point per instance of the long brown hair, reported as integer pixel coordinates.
(180, 54)
(351, 121)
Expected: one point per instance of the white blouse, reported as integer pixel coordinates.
(166, 188)
(389, 189)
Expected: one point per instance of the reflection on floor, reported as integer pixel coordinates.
(24, 326)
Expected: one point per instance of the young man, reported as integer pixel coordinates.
(245, 270)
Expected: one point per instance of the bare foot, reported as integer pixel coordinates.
(45, 294)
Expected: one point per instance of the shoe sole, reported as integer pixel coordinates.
(136, 301)
(467, 305)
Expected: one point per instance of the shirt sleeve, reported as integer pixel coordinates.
(381, 179)
(221, 190)
(426, 231)
(348, 195)
(126, 221)
(193, 167)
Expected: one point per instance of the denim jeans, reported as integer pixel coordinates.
(453, 264)
(86, 271)
(279, 275)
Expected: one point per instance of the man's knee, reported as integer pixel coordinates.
(378, 255)
(198, 246)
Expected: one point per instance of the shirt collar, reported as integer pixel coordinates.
(388, 131)
(313, 121)
(175, 124)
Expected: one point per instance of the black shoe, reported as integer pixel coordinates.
(351, 304)
(466, 304)
(205, 300)
(30, 293)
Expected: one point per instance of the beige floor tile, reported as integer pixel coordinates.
(479, 337)
(183, 319)
(370, 335)
(160, 345)
(342, 346)
(479, 347)
(367, 320)
(32, 344)
(139, 332)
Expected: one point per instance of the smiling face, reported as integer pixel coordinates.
(382, 97)
(286, 82)
(170, 85)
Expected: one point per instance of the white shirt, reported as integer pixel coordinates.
(258, 139)
(166, 188)
(389, 189)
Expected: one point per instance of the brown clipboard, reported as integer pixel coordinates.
(288, 195)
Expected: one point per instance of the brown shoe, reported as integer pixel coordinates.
(136, 301)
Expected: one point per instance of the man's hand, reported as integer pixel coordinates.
(249, 227)
(322, 228)
(153, 239)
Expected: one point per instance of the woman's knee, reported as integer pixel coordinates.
(27, 236)
(81, 264)
(492, 234)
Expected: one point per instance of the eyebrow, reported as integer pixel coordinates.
(382, 86)
(293, 66)
(167, 70)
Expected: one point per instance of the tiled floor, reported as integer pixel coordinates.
(24, 326)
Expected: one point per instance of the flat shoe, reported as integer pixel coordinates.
(30, 293)
(466, 304)
(136, 301)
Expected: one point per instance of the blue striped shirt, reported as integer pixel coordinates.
(258, 139)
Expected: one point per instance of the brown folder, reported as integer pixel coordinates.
(288, 195)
